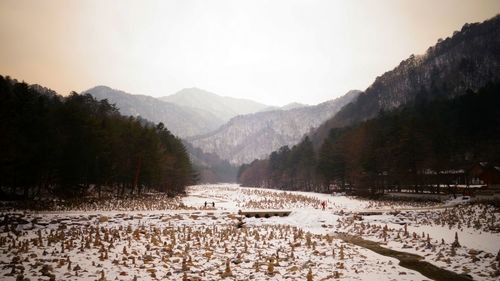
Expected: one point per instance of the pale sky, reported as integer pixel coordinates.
(274, 52)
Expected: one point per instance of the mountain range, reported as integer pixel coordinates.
(187, 113)
(182, 121)
(236, 130)
(252, 136)
(239, 130)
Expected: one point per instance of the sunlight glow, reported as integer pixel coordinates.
(273, 52)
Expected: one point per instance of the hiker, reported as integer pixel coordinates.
(323, 204)
(205, 204)
(213, 204)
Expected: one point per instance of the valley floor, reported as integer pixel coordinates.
(178, 240)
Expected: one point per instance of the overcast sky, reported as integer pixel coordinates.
(274, 52)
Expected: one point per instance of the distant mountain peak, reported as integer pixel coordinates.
(101, 87)
(223, 107)
(43, 90)
(193, 91)
(293, 105)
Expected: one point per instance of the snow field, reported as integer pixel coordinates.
(476, 225)
(188, 241)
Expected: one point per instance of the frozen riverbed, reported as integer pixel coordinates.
(479, 244)
(195, 242)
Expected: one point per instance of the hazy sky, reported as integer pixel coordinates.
(273, 52)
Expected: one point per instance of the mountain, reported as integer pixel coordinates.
(289, 106)
(224, 108)
(35, 87)
(419, 146)
(182, 121)
(292, 105)
(210, 168)
(247, 137)
(43, 90)
(468, 60)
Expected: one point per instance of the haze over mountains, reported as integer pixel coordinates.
(240, 130)
(224, 108)
(187, 113)
(182, 121)
(252, 130)
(248, 137)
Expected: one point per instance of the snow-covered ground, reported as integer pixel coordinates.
(175, 240)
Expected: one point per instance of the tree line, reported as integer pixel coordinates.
(70, 146)
(210, 167)
(421, 146)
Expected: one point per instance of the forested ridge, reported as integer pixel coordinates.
(397, 149)
(76, 145)
(410, 129)
(467, 60)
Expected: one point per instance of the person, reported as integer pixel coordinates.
(205, 204)
(323, 204)
(213, 204)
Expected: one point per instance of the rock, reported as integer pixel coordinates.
(473, 252)
(455, 243)
(46, 271)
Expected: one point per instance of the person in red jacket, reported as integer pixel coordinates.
(323, 204)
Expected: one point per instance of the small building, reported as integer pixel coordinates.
(482, 173)
(486, 175)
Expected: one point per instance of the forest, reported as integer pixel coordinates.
(76, 145)
(421, 146)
